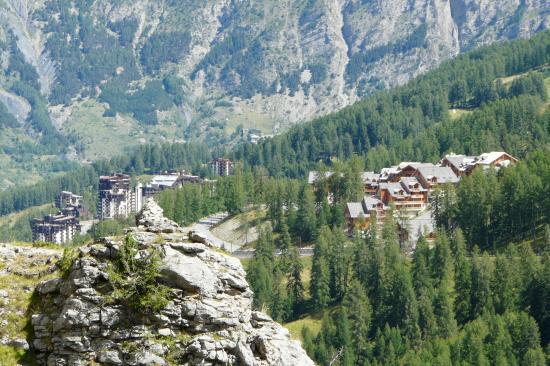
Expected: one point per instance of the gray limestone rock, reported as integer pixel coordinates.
(208, 319)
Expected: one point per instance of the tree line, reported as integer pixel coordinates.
(494, 208)
(151, 158)
(445, 305)
(413, 121)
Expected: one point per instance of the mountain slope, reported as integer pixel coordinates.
(85, 79)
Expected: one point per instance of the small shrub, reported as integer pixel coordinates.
(9, 356)
(135, 280)
(66, 262)
(44, 244)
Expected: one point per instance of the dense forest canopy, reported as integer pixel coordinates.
(412, 122)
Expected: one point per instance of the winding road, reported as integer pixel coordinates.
(205, 225)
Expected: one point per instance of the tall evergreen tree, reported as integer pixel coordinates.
(261, 270)
(359, 312)
(285, 246)
(463, 278)
(295, 286)
(306, 224)
(482, 276)
(320, 276)
(338, 260)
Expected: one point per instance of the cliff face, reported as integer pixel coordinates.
(206, 317)
(258, 63)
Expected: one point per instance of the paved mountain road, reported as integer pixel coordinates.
(205, 225)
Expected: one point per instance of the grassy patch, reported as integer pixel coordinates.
(104, 137)
(9, 356)
(456, 113)
(313, 322)
(241, 229)
(21, 297)
(249, 119)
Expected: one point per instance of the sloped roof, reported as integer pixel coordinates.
(356, 210)
(421, 224)
(443, 174)
(370, 177)
(369, 203)
(393, 188)
(167, 180)
(408, 181)
(461, 162)
(314, 175)
(491, 157)
(414, 165)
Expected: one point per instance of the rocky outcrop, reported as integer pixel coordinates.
(21, 267)
(207, 319)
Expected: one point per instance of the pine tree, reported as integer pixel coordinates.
(444, 309)
(538, 296)
(295, 287)
(343, 338)
(423, 286)
(472, 344)
(482, 275)
(498, 342)
(306, 226)
(421, 266)
(280, 306)
(359, 312)
(338, 260)
(261, 270)
(179, 208)
(399, 306)
(308, 342)
(285, 245)
(506, 284)
(441, 261)
(320, 276)
(463, 279)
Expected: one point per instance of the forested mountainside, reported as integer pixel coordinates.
(86, 79)
(494, 98)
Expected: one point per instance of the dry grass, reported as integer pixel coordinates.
(234, 230)
(19, 284)
(456, 113)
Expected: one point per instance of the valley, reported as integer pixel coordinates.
(403, 221)
(86, 84)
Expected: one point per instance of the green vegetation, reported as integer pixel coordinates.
(24, 273)
(145, 158)
(134, 278)
(478, 295)
(17, 227)
(411, 123)
(446, 305)
(9, 356)
(141, 104)
(494, 209)
(161, 48)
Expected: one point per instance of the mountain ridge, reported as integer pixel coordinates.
(87, 79)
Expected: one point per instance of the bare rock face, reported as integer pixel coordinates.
(151, 219)
(208, 319)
